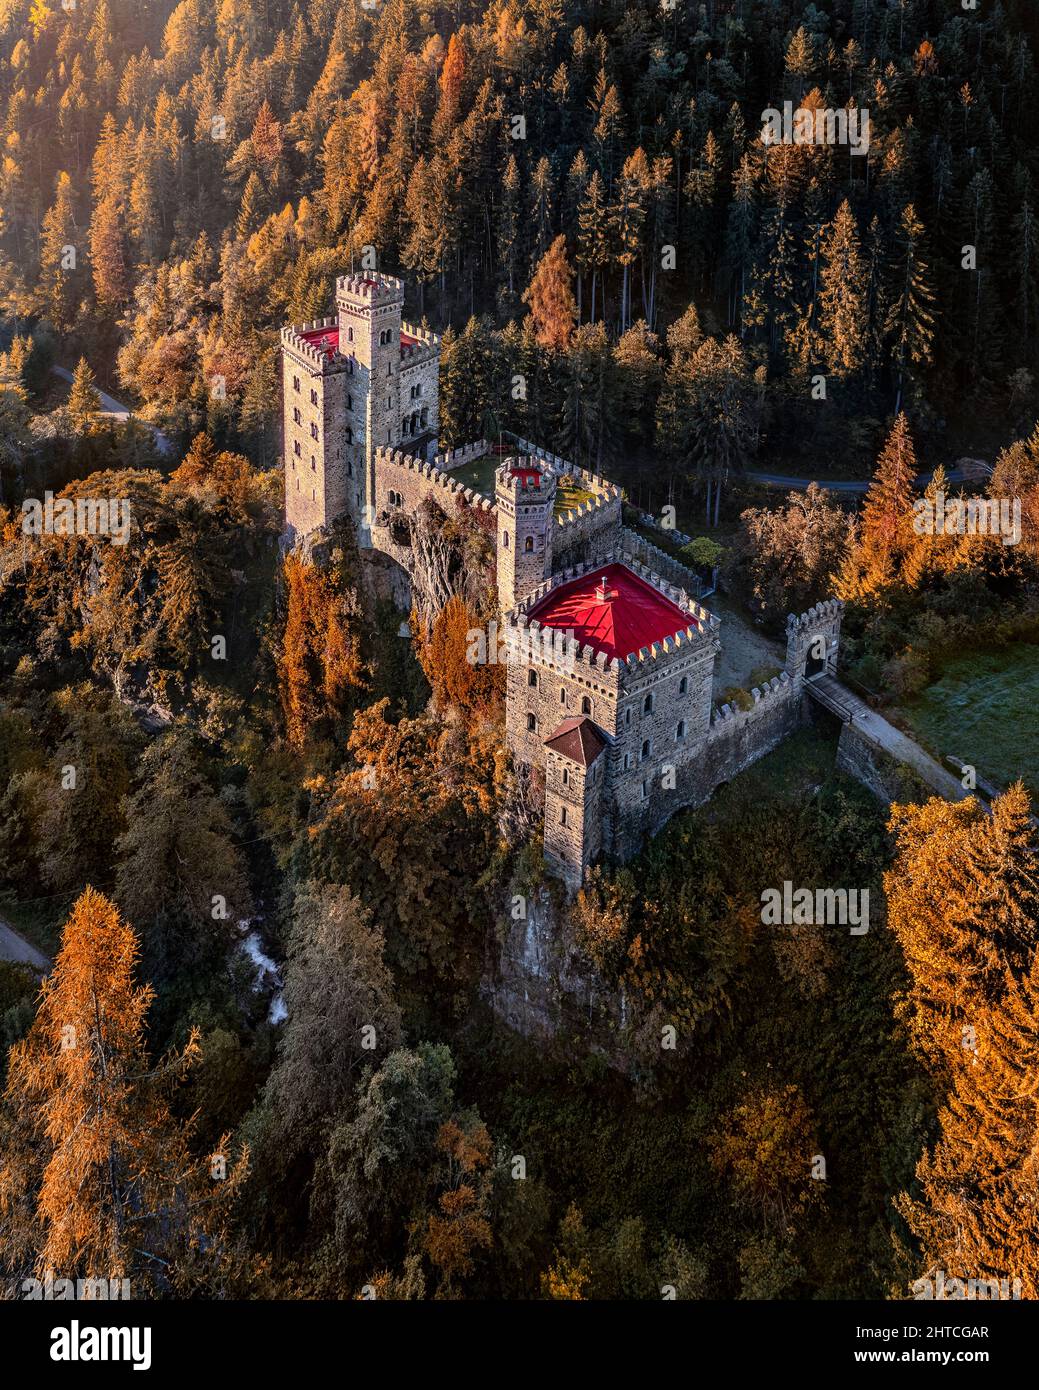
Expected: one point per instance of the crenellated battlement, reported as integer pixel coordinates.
(372, 287)
(821, 613)
(314, 357)
(392, 459)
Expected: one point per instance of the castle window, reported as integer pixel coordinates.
(349, 401)
(295, 383)
(389, 372)
(296, 415)
(528, 545)
(562, 816)
(680, 731)
(566, 776)
(313, 396)
(505, 540)
(647, 748)
(313, 463)
(627, 718)
(645, 791)
(683, 685)
(586, 705)
(418, 389)
(349, 469)
(297, 485)
(562, 695)
(532, 678)
(313, 431)
(349, 435)
(532, 723)
(389, 403)
(647, 705)
(297, 450)
(349, 335)
(627, 761)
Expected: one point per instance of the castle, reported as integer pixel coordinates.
(611, 670)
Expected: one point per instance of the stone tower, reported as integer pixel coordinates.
(525, 494)
(323, 472)
(575, 771)
(369, 308)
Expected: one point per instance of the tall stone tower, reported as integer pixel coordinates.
(369, 308)
(353, 384)
(525, 493)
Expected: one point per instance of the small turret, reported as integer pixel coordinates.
(525, 493)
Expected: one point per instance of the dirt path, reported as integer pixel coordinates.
(744, 647)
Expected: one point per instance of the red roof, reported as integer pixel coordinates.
(612, 610)
(527, 476)
(326, 340)
(577, 739)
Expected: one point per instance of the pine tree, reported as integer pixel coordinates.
(842, 295)
(61, 259)
(551, 298)
(84, 404)
(886, 532)
(911, 318)
(107, 1169)
(108, 255)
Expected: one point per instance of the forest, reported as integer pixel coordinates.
(268, 846)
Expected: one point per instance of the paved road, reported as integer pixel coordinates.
(115, 410)
(953, 475)
(16, 948)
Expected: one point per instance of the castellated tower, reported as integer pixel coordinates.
(369, 308)
(525, 495)
(352, 384)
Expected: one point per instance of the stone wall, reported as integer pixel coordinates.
(736, 740)
(888, 779)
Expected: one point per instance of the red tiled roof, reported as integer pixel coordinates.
(325, 340)
(577, 739)
(526, 475)
(612, 610)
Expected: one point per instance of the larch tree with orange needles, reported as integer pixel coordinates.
(93, 1148)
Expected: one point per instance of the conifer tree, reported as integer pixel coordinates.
(84, 403)
(551, 298)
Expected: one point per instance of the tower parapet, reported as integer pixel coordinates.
(525, 496)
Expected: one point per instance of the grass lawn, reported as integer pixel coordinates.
(983, 710)
(478, 474)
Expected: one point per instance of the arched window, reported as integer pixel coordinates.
(586, 705)
(646, 746)
(562, 816)
(680, 732)
(683, 685)
(532, 723)
(647, 705)
(505, 540)
(562, 695)
(566, 776)
(532, 678)
(528, 545)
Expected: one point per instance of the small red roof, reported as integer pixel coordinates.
(612, 610)
(528, 476)
(325, 340)
(577, 739)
